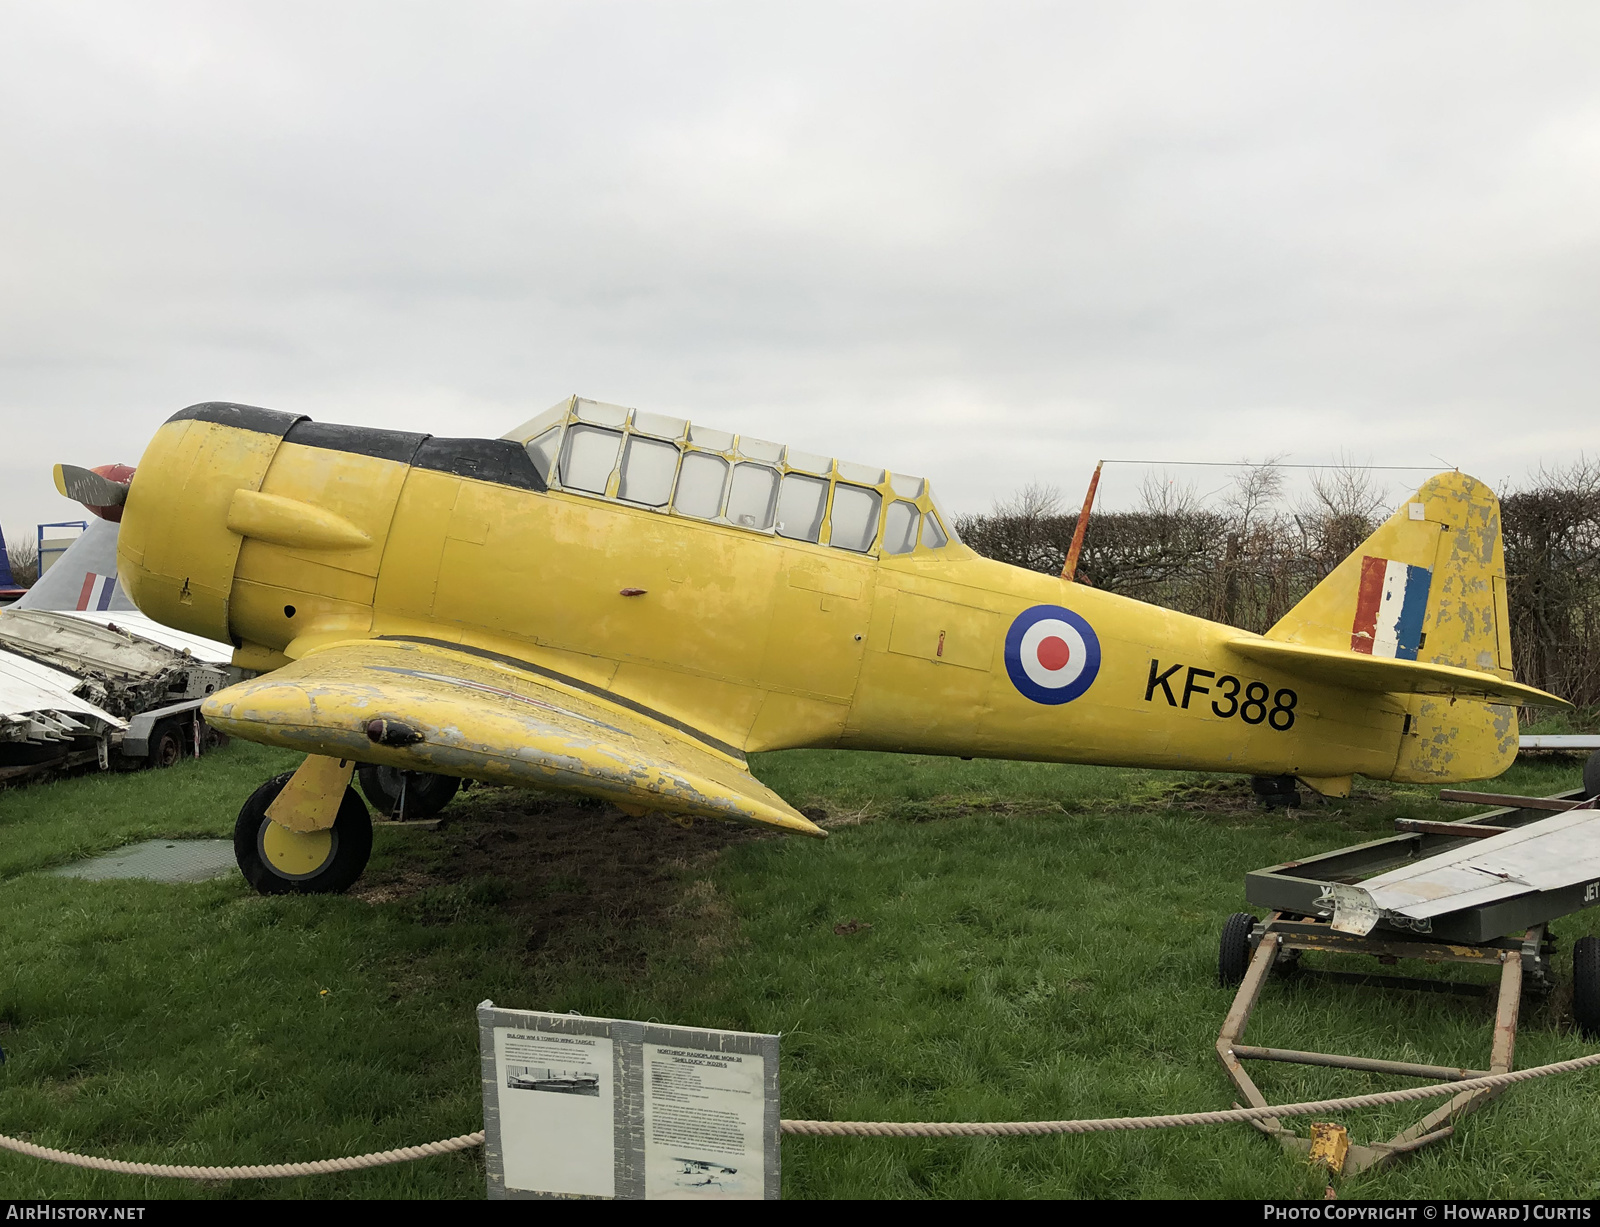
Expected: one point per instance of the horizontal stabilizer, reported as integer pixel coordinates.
(1389, 674)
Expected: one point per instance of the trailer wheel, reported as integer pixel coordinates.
(166, 744)
(1586, 985)
(426, 793)
(1233, 955)
(1591, 775)
(277, 861)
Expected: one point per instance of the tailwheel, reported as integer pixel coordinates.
(278, 861)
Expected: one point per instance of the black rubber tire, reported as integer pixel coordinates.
(1264, 785)
(1586, 985)
(1233, 953)
(426, 793)
(167, 743)
(1591, 775)
(211, 739)
(352, 845)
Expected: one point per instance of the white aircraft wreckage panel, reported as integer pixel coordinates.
(208, 650)
(1558, 851)
(37, 704)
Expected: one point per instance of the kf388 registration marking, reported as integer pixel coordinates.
(1252, 707)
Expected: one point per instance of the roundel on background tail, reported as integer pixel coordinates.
(1052, 654)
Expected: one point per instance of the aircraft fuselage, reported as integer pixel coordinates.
(750, 640)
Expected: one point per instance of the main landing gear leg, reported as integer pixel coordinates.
(304, 832)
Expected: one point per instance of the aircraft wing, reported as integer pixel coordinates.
(1384, 673)
(459, 710)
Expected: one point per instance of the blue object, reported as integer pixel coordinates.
(7, 580)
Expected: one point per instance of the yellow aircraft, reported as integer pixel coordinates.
(617, 603)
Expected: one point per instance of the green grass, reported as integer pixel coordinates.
(1579, 720)
(1030, 941)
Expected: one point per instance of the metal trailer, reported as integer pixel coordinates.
(1511, 934)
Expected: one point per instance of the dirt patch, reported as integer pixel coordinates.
(561, 870)
(1227, 796)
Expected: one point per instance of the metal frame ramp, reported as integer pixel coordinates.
(1508, 932)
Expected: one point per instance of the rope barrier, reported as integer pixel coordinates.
(317, 1167)
(824, 1128)
(897, 1129)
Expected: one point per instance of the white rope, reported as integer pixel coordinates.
(825, 1128)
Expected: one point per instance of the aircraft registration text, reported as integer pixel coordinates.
(1247, 700)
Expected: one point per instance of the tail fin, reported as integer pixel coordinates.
(1429, 585)
(85, 577)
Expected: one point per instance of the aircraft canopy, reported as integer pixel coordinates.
(666, 464)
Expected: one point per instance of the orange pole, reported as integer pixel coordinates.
(1071, 568)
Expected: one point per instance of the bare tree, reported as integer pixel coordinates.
(24, 558)
(1552, 543)
(1021, 530)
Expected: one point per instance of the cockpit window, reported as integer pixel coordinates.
(900, 528)
(648, 468)
(855, 518)
(700, 486)
(668, 465)
(588, 458)
(801, 502)
(752, 495)
(542, 451)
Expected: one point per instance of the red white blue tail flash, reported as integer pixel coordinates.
(1052, 654)
(97, 591)
(1390, 605)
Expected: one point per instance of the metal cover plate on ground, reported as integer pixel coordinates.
(158, 860)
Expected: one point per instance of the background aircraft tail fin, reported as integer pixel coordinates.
(1430, 586)
(83, 578)
(6, 579)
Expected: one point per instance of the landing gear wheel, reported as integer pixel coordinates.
(166, 743)
(426, 794)
(1233, 954)
(278, 861)
(1591, 775)
(1276, 791)
(1586, 985)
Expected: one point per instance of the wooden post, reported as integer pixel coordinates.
(1070, 569)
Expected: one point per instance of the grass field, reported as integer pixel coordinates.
(976, 940)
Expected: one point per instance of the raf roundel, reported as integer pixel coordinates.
(1052, 654)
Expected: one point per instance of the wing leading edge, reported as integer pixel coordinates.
(424, 707)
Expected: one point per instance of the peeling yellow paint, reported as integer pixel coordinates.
(310, 800)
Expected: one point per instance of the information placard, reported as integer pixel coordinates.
(604, 1107)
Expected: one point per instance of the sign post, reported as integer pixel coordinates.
(603, 1107)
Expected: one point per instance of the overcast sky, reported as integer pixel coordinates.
(984, 242)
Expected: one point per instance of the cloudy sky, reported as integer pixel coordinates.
(986, 242)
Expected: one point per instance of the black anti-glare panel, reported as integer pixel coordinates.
(396, 445)
(502, 461)
(244, 417)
